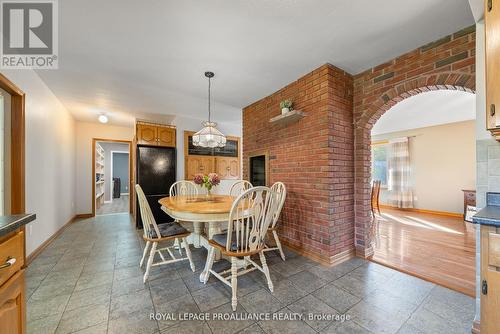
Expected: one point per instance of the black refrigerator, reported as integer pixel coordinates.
(156, 169)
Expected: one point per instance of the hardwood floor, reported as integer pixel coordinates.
(436, 248)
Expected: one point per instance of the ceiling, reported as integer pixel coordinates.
(148, 57)
(427, 109)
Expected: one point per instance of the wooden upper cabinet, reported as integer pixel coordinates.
(492, 52)
(198, 165)
(227, 168)
(166, 136)
(146, 134)
(158, 135)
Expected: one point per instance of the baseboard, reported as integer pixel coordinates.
(124, 194)
(476, 328)
(432, 212)
(364, 252)
(47, 242)
(84, 215)
(107, 202)
(324, 260)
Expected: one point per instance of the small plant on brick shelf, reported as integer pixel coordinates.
(286, 106)
(208, 181)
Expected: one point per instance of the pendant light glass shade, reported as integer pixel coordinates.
(209, 136)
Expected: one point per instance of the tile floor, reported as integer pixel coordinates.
(118, 205)
(88, 281)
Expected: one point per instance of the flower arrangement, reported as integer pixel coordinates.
(208, 181)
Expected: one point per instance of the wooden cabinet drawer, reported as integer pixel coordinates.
(11, 248)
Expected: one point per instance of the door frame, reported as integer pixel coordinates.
(131, 173)
(17, 145)
(111, 172)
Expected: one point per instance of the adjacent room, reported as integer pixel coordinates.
(250, 166)
(424, 176)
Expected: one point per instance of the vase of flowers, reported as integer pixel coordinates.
(207, 181)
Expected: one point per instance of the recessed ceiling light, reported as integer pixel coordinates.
(103, 118)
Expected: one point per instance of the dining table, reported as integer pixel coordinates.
(200, 214)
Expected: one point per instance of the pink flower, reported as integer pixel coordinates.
(214, 179)
(198, 179)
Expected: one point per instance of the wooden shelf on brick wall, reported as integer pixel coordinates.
(289, 117)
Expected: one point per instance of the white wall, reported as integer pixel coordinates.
(50, 158)
(442, 160)
(191, 124)
(108, 147)
(84, 134)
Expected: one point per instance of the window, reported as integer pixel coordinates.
(379, 163)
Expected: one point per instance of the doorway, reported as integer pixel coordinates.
(423, 155)
(112, 176)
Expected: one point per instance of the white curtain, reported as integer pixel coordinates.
(399, 173)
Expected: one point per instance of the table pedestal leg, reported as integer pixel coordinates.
(196, 235)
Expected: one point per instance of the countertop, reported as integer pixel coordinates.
(489, 215)
(13, 222)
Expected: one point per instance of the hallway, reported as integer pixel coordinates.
(118, 205)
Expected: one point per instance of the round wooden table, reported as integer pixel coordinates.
(199, 213)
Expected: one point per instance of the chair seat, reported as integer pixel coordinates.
(167, 230)
(221, 239)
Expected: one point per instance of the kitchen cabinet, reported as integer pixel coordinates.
(155, 134)
(12, 264)
(198, 165)
(225, 161)
(227, 168)
(492, 61)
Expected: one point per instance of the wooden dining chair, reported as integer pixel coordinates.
(249, 218)
(375, 197)
(154, 234)
(239, 187)
(183, 188)
(280, 189)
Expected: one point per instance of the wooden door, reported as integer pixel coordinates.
(166, 136)
(198, 165)
(12, 305)
(492, 31)
(147, 134)
(228, 168)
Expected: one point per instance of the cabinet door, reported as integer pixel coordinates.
(147, 134)
(492, 30)
(166, 136)
(227, 168)
(12, 310)
(198, 165)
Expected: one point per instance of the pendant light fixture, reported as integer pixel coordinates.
(209, 135)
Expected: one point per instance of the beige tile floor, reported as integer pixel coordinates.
(118, 205)
(88, 281)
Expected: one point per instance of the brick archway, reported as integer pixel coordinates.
(363, 125)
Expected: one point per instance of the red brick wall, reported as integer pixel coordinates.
(313, 157)
(448, 63)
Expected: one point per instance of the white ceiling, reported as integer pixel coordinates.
(127, 57)
(427, 109)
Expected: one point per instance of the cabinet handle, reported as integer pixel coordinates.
(492, 110)
(484, 287)
(228, 168)
(490, 5)
(10, 262)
